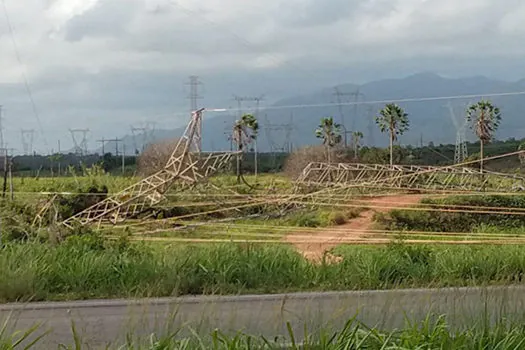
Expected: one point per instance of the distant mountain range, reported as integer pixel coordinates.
(431, 120)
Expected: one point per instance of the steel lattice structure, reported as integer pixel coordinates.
(183, 167)
(407, 177)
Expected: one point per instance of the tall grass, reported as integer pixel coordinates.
(428, 334)
(87, 267)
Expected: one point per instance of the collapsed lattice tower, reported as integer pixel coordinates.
(184, 167)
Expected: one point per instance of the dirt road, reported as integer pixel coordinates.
(355, 229)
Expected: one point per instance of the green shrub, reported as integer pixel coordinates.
(441, 221)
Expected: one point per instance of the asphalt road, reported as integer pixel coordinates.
(106, 321)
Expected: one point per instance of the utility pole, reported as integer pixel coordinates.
(117, 141)
(7, 167)
(194, 96)
(103, 142)
(27, 140)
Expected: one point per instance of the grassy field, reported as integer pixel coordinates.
(88, 267)
(92, 266)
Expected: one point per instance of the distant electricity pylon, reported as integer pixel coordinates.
(356, 94)
(194, 96)
(460, 152)
(143, 135)
(28, 137)
(338, 94)
(80, 140)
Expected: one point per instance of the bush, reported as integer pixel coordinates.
(155, 157)
(441, 221)
(71, 205)
(15, 221)
(299, 159)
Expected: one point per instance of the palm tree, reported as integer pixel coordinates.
(244, 133)
(357, 136)
(484, 119)
(330, 132)
(394, 120)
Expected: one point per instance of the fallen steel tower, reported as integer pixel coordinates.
(184, 167)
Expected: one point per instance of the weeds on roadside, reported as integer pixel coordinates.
(432, 333)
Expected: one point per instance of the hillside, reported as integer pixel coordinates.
(430, 120)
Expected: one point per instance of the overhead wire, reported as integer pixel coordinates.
(385, 101)
(24, 75)
(310, 242)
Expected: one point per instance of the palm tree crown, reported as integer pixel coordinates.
(484, 119)
(393, 120)
(245, 130)
(329, 131)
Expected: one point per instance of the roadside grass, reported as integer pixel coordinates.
(432, 333)
(90, 267)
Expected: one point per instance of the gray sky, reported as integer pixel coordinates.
(106, 64)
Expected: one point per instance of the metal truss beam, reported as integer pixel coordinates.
(183, 167)
(407, 177)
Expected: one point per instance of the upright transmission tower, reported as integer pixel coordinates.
(279, 142)
(356, 94)
(194, 96)
(142, 136)
(80, 140)
(28, 137)
(339, 95)
(460, 152)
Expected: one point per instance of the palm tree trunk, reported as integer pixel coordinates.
(256, 160)
(482, 176)
(239, 149)
(391, 150)
(481, 157)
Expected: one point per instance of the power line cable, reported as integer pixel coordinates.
(24, 76)
(402, 100)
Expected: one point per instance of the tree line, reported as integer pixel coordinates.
(482, 117)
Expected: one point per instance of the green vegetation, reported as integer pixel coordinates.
(483, 213)
(484, 119)
(433, 333)
(244, 133)
(330, 132)
(91, 267)
(393, 120)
